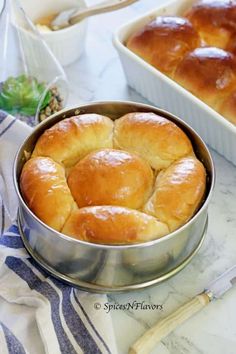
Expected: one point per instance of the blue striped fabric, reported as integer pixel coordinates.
(4, 128)
(7, 127)
(11, 239)
(2, 216)
(13, 344)
(25, 273)
(3, 115)
(90, 322)
(71, 315)
(74, 322)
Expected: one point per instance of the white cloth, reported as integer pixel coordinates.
(39, 314)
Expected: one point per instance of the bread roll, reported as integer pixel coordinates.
(156, 139)
(73, 138)
(113, 225)
(209, 73)
(164, 41)
(179, 192)
(215, 21)
(111, 177)
(45, 190)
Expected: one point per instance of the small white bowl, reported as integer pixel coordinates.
(67, 44)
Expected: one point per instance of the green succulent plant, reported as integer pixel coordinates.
(22, 95)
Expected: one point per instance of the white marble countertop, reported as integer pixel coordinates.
(98, 75)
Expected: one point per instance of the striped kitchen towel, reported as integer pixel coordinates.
(39, 314)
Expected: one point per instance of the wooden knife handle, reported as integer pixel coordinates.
(146, 343)
(102, 7)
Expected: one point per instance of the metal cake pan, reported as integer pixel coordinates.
(105, 268)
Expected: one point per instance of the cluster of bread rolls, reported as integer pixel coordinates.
(126, 181)
(197, 50)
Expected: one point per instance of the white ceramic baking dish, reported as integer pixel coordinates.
(165, 93)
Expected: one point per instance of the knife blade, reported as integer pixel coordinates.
(213, 291)
(222, 284)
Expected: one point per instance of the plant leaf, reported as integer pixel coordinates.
(23, 95)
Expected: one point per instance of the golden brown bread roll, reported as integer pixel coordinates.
(215, 21)
(228, 108)
(45, 190)
(156, 139)
(111, 177)
(179, 192)
(73, 138)
(164, 41)
(113, 225)
(209, 73)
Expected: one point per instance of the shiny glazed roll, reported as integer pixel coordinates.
(45, 190)
(164, 41)
(215, 21)
(178, 193)
(113, 225)
(108, 195)
(209, 73)
(71, 139)
(112, 177)
(156, 139)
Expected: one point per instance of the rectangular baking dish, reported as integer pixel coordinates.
(165, 93)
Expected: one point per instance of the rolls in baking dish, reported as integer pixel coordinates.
(197, 51)
(215, 22)
(164, 41)
(128, 181)
(210, 74)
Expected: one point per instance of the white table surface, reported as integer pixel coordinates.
(98, 75)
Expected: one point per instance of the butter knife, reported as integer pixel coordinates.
(214, 291)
